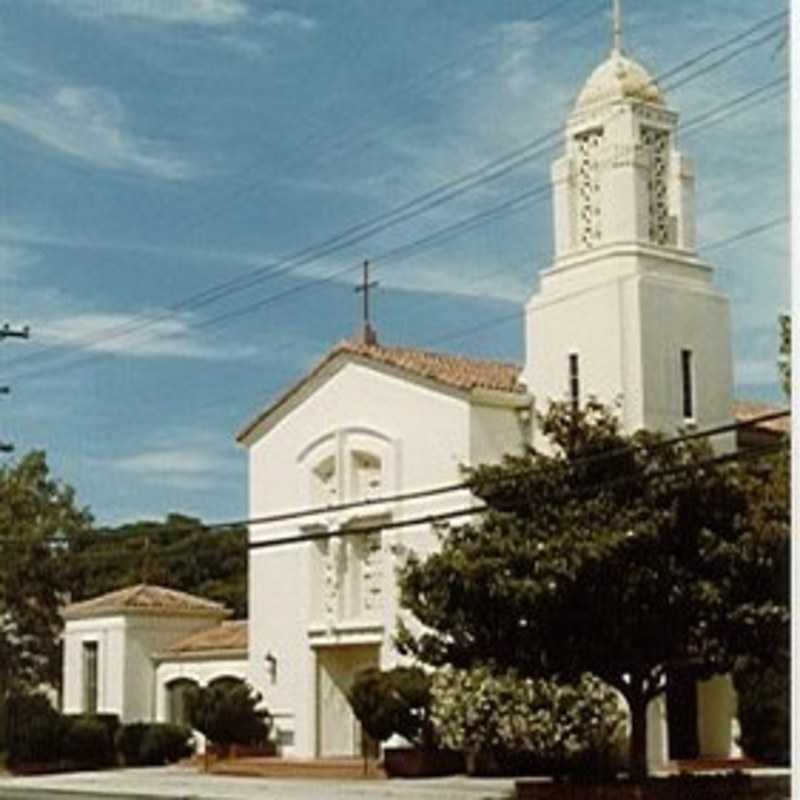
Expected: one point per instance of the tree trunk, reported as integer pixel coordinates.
(637, 703)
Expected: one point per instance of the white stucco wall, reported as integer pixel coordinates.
(146, 636)
(125, 669)
(627, 312)
(109, 633)
(423, 436)
(675, 316)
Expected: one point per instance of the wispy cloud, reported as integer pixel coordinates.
(232, 21)
(281, 19)
(193, 460)
(90, 124)
(116, 334)
(199, 12)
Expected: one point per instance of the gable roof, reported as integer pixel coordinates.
(148, 600)
(225, 637)
(744, 411)
(450, 371)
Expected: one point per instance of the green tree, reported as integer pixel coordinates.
(611, 554)
(762, 680)
(39, 517)
(227, 713)
(395, 701)
(180, 553)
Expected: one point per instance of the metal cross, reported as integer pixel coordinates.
(364, 288)
(618, 26)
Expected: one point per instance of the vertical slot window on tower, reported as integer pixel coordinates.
(574, 381)
(687, 383)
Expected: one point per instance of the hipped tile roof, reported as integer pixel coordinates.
(145, 599)
(226, 636)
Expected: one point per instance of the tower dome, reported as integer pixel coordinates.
(619, 78)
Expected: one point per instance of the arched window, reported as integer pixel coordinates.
(323, 482)
(176, 700)
(366, 475)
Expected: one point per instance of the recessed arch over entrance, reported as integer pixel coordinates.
(177, 691)
(338, 732)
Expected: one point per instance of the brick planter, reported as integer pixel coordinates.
(735, 786)
(411, 762)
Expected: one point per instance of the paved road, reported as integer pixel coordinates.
(178, 783)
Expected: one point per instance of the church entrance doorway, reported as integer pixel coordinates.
(339, 734)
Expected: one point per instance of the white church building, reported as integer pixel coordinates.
(627, 311)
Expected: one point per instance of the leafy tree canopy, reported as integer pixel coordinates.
(395, 701)
(227, 712)
(607, 553)
(179, 553)
(39, 518)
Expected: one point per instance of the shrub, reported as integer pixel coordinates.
(129, 742)
(763, 711)
(529, 724)
(227, 713)
(87, 741)
(143, 744)
(90, 739)
(35, 730)
(164, 743)
(394, 702)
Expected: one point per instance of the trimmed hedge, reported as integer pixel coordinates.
(39, 736)
(88, 740)
(35, 730)
(144, 744)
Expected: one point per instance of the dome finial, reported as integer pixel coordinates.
(617, 26)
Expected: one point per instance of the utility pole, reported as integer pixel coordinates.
(7, 332)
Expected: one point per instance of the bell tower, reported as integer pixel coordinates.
(627, 311)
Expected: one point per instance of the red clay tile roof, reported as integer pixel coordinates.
(744, 411)
(145, 599)
(457, 372)
(226, 636)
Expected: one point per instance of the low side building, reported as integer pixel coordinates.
(135, 651)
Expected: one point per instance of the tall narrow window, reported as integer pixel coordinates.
(574, 381)
(687, 384)
(90, 677)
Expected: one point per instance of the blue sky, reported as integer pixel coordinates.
(153, 149)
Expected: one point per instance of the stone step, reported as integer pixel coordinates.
(341, 768)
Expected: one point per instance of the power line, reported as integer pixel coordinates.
(432, 519)
(502, 318)
(403, 497)
(333, 145)
(404, 251)
(361, 529)
(425, 202)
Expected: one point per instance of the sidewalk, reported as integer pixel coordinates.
(180, 783)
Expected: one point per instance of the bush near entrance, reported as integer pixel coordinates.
(509, 725)
(396, 701)
(144, 744)
(227, 713)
